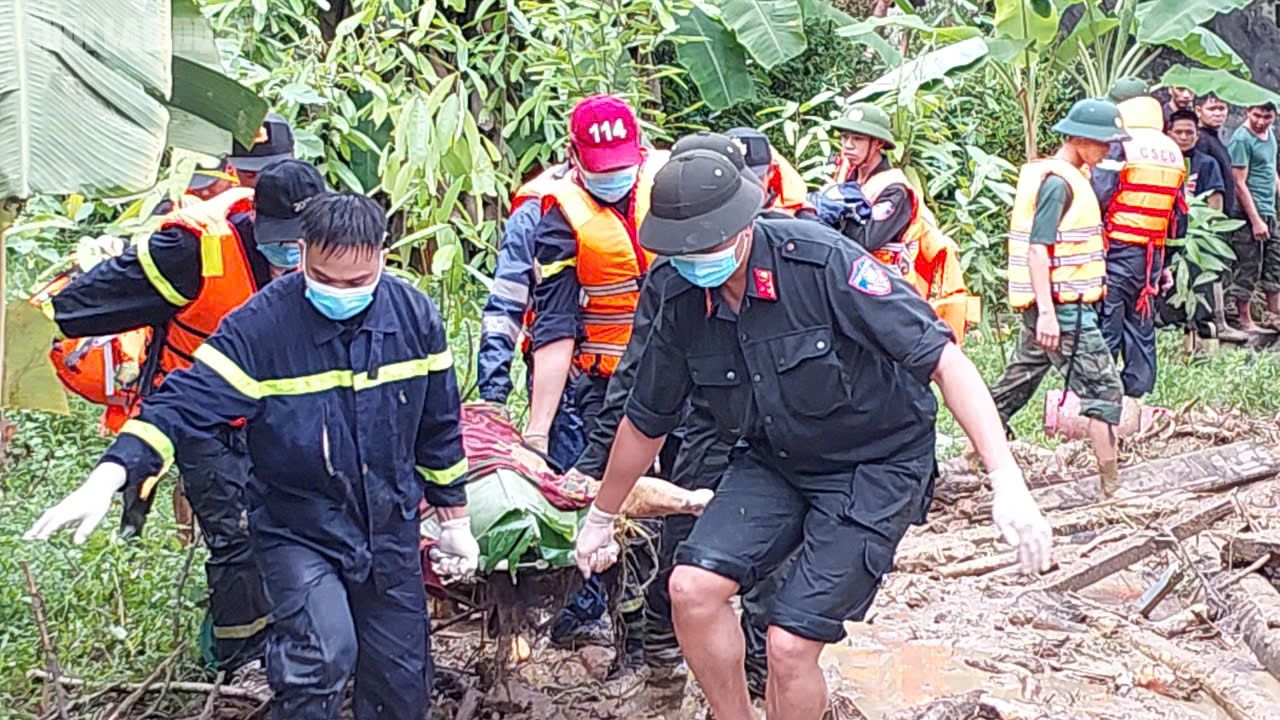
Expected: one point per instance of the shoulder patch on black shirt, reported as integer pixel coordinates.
(868, 275)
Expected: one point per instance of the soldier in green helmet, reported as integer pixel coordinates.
(1057, 277)
(865, 135)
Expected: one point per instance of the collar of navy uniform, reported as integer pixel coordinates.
(380, 317)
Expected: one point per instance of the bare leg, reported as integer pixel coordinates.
(1103, 438)
(796, 688)
(711, 639)
(1244, 319)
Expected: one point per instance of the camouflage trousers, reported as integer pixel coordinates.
(1094, 379)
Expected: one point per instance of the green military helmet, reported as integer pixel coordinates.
(1127, 88)
(1093, 119)
(867, 119)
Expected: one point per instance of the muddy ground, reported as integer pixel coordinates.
(957, 632)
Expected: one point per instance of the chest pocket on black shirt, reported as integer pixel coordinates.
(810, 376)
(718, 379)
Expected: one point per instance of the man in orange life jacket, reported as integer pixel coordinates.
(590, 268)
(203, 262)
(206, 183)
(785, 191)
(1138, 185)
(504, 318)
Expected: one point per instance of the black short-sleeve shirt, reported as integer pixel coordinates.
(826, 365)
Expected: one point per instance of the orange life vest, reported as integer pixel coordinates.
(609, 262)
(1149, 187)
(102, 369)
(224, 268)
(789, 191)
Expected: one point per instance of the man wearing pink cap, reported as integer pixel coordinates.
(589, 264)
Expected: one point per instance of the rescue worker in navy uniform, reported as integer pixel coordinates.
(169, 281)
(345, 379)
(810, 351)
(699, 462)
(510, 299)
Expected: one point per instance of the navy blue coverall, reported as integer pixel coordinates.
(509, 298)
(349, 423)
(120, 294)
(1129, 333)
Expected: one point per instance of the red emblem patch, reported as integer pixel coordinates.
(764, 284)
(869, 276)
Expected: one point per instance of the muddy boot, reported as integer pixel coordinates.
(1109, 477)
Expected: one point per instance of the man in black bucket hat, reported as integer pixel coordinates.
(804, 347)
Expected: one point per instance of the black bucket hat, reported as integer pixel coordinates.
(699, 200)
(759, 153)
(274, 143)
(715, 142)
(284, 187)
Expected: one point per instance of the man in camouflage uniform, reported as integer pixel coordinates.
(1057, 273)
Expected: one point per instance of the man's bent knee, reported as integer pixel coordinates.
(790, 654)
(693, 589)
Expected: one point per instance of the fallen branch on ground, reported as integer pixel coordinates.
(46, 642)
(182, 687)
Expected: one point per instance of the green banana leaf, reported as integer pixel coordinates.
(1207, 48)
(929, 67)
(1165, 21)
(772, 31)
(715, 59)
(1035, 20)
(512, 521)
(82, 110)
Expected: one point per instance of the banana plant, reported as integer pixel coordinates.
(92, 91)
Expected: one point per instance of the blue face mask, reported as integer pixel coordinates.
(282, 255)
(610, 186)
(709, 270)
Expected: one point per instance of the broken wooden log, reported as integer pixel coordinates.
(1188, 523)
(1184, 621)
(1255, 611)
(1239, 698)
(1246, 548)
(924, 553)
(1211, 469)
(1160, 590)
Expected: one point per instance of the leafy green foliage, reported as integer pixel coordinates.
(1203, 256)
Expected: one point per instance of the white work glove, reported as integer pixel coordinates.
(87, 504)
(457, 553)
(1018, 518)
(596, 549)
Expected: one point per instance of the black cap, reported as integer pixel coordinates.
(283, 189)
(756, 151)
(274, 142)
(715, 142)
(206, 176)
(699, 200)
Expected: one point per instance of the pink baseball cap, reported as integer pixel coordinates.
(606, 134)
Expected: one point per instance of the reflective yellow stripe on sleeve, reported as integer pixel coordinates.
(158, 280)
(152, 436)
(228, 370)
(240, 632)
(446, 476)
(155, 438)
(546, 271)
